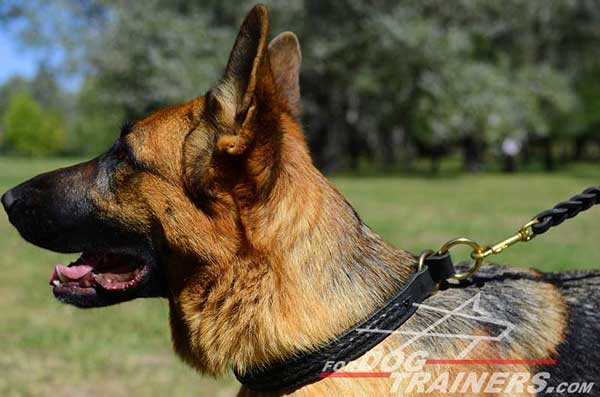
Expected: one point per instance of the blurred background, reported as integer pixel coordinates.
(436, 119)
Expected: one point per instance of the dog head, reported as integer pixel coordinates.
(169, 201)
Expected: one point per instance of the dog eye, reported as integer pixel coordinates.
(123, 155)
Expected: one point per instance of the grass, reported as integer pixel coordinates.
(51, 349)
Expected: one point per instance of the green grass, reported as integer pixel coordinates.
(52, 349)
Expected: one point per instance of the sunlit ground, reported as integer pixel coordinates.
(49, 349)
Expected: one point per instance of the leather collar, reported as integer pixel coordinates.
(308, 367)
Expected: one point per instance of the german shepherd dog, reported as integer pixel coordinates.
(215, 205)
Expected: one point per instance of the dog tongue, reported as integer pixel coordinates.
(71, 273)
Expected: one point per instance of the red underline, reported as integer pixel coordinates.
(487, 362)
(355, 374)
(438, 362)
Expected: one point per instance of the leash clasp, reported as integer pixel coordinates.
(479, 253)
(524, 234)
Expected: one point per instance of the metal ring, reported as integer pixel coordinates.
(476, 248)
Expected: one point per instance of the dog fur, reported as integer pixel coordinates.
(261, 258)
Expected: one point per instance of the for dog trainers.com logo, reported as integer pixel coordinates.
(413, 371)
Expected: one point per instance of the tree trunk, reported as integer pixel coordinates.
(353, 149)
(526, 151)
(549, 161)
(579, 152)
(471, 154)
(388, 154)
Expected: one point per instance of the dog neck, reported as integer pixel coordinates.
(310, 269)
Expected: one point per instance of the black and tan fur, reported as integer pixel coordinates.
(258, 254)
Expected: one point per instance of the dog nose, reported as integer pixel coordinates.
(8, 199)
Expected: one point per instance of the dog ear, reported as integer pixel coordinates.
(247, 83)
(247, 56)
(285, 59)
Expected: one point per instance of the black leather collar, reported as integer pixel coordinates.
(353, 343)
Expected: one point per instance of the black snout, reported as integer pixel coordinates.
(8, 199)
(54, 210)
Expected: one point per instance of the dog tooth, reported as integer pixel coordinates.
(56, 283)
(62, 278)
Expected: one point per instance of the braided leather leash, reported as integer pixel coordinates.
(566, 209)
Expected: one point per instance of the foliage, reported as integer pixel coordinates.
(29, 130)
(96, 123)
(380, 79)
(491, 101)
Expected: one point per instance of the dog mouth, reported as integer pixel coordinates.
(95, 278)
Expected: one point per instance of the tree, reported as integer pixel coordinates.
(11, 87)
(379, 78)
(30, 131)
(97, 121)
